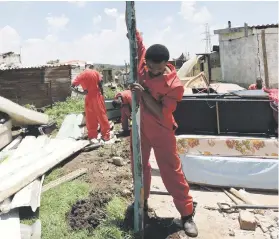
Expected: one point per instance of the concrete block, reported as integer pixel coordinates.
(247, 221)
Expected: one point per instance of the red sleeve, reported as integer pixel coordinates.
(80, 80)
(252, 87)
(141, 51)
(170, 100)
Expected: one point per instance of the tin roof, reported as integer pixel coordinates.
(34, 67)
(239, 29)
(265, 26)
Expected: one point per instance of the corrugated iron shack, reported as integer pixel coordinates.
(40, 86)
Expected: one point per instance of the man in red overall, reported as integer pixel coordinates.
(159, 90)
(95, 109)
(123, 100)
(258, 85)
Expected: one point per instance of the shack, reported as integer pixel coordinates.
(209, 64)
(178, 62)
(249, 52)
(108, 76)
(39, 85)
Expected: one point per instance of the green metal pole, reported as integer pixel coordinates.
(138, 177)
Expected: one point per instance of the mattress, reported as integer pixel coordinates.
(264, 148)
(234, 172)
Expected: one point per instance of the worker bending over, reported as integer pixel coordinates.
(95, 109)
(258, 85)
(123, 100)
(159, 90)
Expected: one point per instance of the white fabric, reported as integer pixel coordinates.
(231, 171)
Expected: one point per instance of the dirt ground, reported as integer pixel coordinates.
(106, 179)
(88, 213)
(103, 174)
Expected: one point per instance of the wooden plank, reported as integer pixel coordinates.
(138, 181)
(65, 178)
(266, 77)
(241, 196)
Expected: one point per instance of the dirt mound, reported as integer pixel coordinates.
(88, 213)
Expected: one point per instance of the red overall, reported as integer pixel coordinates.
(159, 134)
(95, 109)
(126, 107)
(253, 87)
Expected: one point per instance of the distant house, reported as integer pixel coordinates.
(10, 59)
(178, 62)
(209, 63)
(38, 85)
(249, 52)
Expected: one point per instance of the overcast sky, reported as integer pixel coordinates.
(96, 31)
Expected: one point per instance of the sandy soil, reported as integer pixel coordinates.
(163, 221)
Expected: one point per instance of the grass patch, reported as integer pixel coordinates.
(55, 204)
(73, 105)
(54, 174)
(60, 109)
(110, 93)
(109, 228)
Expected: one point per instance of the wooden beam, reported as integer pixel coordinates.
(138, 175)
(64, 179)
(266, 78)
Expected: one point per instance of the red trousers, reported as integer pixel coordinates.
(170, 168)
(125, 116)
(95, 113)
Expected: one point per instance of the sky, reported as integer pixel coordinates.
(96, 31)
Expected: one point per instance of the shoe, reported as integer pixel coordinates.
(124, 133)
(111, 140)
(94, 141)
(189, 226)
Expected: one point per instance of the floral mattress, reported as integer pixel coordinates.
(227, 146)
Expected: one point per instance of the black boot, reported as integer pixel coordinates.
(189, 225)
(124, 133)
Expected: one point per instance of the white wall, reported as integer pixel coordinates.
(240, 57)
(13, 58)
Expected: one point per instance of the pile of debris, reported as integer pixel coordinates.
(251, 213)
(25, 160)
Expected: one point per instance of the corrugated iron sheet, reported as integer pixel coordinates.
(265, 26)
(29, 195)
(37, 67)
(26, 168)
(31, 232)
(70, 127)
(10, 225)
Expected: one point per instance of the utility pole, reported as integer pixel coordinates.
(207, 39)
(138, 175)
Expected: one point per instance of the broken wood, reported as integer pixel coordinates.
(231, 197)
(241, 196)
(247, 195)
(64, 179)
